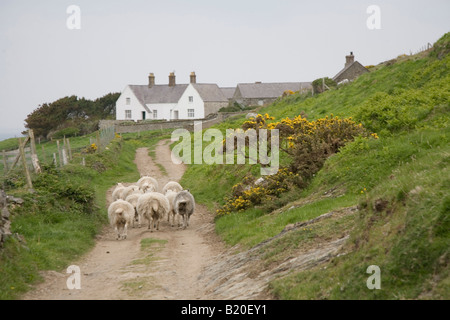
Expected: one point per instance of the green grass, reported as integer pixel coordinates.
(253, 226)
(406, 170)
(58, 222)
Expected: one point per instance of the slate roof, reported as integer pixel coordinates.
(269, 90)
(158, 93)
(228, 92)
(210, 92)
(166, 94)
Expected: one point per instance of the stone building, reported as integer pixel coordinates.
(352, 70)
(170, 101)
(259, 93)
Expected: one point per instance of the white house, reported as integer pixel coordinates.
(169, 102)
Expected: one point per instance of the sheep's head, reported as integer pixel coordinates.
(148, 187)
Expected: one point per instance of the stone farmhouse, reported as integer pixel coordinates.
(351, 71)
(169, 101)
(259, 93)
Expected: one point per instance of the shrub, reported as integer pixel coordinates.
(66, 132)
(318, 84)
(307, 143)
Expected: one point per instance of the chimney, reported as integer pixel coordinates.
(151, 80)
(193, 77)
(349, 59)
(172, 79)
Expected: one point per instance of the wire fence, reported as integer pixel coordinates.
(58, 153)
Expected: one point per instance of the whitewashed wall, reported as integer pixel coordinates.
(163, 110)
(198, 105)
(135, 106)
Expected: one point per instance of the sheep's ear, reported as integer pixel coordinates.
(188, 190)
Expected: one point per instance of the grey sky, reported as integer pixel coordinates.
(224, 42)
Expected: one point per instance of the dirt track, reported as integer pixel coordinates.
(167, 268)
(182, 264)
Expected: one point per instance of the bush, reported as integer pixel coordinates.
(66, 132)
(318, 84)
(307, 143)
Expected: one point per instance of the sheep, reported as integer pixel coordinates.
(152, 206)
(120, 214)
(148, 184)
(127, 191)
(184, 205)
(117, 191)
(172, 185)
(133, 199)
(170, 195)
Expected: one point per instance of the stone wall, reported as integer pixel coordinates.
(214, 107)
(122, 126)
(4, 218)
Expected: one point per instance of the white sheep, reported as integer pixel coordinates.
(148, 184)
(170, 195)
(133, 199)
(184, 205)
(128, 190)
(172, 185)
(117, 191)
(153, 207)
(120, 214)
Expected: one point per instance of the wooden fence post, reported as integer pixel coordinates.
(34, 157)
(55, 162)
(98, 141)
(59, 153)
(70, 150)
(24, 163)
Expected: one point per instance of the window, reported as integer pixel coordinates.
(155, 114)
(127, 114)
(191, 99)
(128, 101)
(190, 113)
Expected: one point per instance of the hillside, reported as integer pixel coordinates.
(399, 184)
(363, 182)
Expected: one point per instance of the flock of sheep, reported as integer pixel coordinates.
(142, 200)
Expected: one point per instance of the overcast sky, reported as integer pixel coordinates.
(225, 42)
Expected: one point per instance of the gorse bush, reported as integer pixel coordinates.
(308, 144)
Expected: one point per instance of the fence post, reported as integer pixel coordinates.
(55, 162)
(24, 163)
(34, 157)
(70, 150)
(98, 140)
(59, 153)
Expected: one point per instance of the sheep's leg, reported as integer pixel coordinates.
(124, 233)
(184, 221)
(117, 232)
